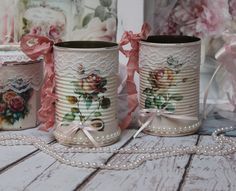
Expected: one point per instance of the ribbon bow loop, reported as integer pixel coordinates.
(132, 66)
(72, 128)
(152, 113)
(133, 39)
(35, 47)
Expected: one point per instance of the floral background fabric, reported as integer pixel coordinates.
(205, 18)
(95, 20)
(68, 20)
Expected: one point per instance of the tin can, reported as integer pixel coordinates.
(169, 83)
(86, 90)
(20, 83)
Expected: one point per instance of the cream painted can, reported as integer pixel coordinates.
(169, 83)
(20, 83)
(86, 90)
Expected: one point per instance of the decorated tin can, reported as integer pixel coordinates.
(20, 82)
(169, 85)
(86, 90)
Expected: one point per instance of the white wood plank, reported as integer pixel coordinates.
(41, 172)
(163, 174)
(14, 153)
(211, 173)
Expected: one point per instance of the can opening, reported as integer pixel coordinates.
(86, 44)
(171, 39)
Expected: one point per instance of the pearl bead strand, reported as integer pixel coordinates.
(223, 146)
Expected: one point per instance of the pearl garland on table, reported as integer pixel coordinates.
(224, 146)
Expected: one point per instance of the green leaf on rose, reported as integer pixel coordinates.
(106, 3)
(170, 107)
(176, 97)
(69, 117)
(148, 92)
(75, 110)
(158, 101)
(105, 103)
(149, 103)
(97, 114)
(78, 91)
(85, 96)
(88, 102)
(8, 112)
(87, 19)
(103, 82)
(100, 12)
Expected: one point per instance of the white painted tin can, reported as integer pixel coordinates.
(20, 83)
(169, 83)
(86, 90)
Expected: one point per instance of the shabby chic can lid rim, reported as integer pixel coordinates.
(171, 40)
(10, 47)
(11, 54)
(86, 45)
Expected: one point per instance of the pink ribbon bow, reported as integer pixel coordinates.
(72, 128)
(35, 47)
(152, 113)
(132, 66)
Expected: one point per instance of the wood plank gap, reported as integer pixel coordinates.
(93, 174)
(186, 168)
(25, 189)
(22, 159)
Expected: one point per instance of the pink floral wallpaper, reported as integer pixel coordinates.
(58, 20)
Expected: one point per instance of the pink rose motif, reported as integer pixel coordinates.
(17, 104)
(199, 18)
(55, 32)
(2, 108)
(8, 96)
(92, 84)
(162, 78)
(37, 30)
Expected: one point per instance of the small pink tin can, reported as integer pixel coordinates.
(20, 83)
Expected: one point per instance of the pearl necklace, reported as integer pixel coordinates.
(223, 146)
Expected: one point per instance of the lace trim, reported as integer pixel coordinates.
(71, 64)
(20, 78)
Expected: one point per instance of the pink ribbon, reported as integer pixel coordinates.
(132, 66)
(152, 113)
(72, 128)
(35, 47)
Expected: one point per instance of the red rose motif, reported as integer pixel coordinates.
(2, 108)
(91, 84)
(17, 104)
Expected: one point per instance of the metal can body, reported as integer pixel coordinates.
(169, 83)
(86, 90)
(20, 83)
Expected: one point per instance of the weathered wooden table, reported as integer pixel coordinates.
(26, 168)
